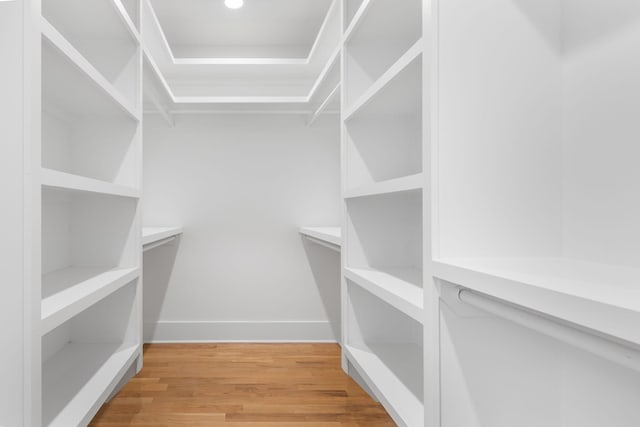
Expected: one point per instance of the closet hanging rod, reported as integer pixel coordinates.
(608, 349)
(324, 105)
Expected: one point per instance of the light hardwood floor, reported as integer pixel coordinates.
(242, 385)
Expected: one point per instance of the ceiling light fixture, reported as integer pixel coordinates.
(234, 4)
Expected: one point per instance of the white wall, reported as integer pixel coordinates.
(601, 100)
(241, 185)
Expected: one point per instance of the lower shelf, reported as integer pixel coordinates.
(399, 390)
(69, 291)
(78, 379)
(602, 297)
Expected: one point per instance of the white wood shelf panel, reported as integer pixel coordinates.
(330, 235)
(396, 185)
(79, 378)
(400, 287)
(67, 292)
(70, 182)
(83, 70)
(601, 297)
(394, 392)
(357, 19)
(123, 14)
(407, 59)
(152, 235)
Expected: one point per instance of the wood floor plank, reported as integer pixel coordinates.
(242, 385)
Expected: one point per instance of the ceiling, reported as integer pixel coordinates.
(260, 29)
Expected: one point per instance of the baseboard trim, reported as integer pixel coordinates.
(238, 331)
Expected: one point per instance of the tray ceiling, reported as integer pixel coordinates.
(260, 29)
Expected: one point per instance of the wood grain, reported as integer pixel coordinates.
(242, 385)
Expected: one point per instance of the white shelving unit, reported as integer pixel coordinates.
(383, 184)
(86, 165)
(536, 212)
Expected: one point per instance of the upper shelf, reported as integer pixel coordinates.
(105, 36)
(72, 84)
(601, 297)
(66, 181)
(380, 32)
(330, 236)
(395, 92)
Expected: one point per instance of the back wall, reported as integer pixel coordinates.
(241, 185)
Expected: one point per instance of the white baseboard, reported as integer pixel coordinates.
(238, 331)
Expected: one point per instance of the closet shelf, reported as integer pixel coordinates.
(78, 378)
(357, 19)
(397, 185)
(390, 76)
(69, 291)
(66, 79)
(601, 297)
(66, 181)
(330, 237)
(398, 397)
(399, 287)
(153, 237)
(126, 20)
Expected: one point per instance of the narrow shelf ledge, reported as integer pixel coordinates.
(79, 378)
(330, 237)
(601, 297)
(408, 58)
(397, 185)
(401, 288)
(396, 393)
(153, 237)
(81, 64)
(67, 292)
(70, 182)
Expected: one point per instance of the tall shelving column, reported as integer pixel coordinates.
(16, 131)
(89, 277)
(383, 189)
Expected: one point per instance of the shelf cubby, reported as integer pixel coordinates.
(535, 176)
(383, 131)
(72, 86)
(385, 231)
(385, 347)
(88, 247)
(383, 33)
(102, 36)
(87, 129)
(385, 256)
(85, 358)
